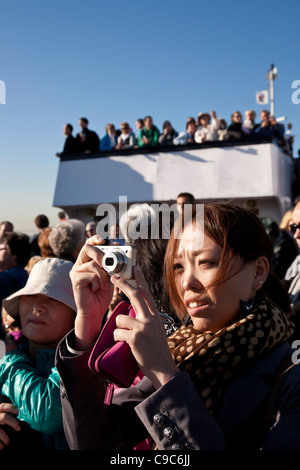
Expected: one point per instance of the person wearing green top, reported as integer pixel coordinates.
(149, 134)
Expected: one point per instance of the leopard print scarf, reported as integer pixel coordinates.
(213, 359)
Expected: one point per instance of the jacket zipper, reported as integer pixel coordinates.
(109, 392)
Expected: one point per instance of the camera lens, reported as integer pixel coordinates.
(114, 262)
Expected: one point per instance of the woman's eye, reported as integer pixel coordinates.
(207, 263)
(177, 267)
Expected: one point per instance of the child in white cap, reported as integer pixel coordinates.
(29, 382)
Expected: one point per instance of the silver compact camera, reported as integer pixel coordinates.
(118, 260)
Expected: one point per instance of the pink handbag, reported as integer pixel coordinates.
(111, 359)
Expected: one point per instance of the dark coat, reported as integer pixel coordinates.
(175, 415)
(92, 142)
(71, 146)
(285, 250)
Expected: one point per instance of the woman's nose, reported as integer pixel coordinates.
(190, 281)
(38, 305)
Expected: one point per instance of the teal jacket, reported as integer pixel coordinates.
(34, 390)
(153, 135)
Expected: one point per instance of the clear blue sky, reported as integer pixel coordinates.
(116, 61)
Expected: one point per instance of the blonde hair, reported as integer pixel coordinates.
(33, 260)
(250, 111)
(286, 219)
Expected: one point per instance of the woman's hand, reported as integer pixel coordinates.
(145, 333)
(116, 299)
(92, 292)
(7, 410)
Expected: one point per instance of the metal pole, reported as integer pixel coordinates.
(271, 75)
(272, 95)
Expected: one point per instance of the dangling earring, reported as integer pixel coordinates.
(247, 306)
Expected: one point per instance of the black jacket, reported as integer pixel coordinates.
(91, 143)
(71, 146)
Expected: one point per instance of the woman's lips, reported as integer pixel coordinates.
(196, 306)
(36, 321)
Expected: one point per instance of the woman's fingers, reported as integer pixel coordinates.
(90, 273)
(139, 295)
(4, 439)
(7, 412)
(90, 251)
(8, 408)
(144, 289)
(136, 299)
(124, 324)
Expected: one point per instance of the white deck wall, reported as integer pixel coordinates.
(261, 171)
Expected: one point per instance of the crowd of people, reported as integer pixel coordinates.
(207, 127)
(221, 374)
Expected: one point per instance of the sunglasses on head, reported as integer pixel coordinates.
(293, 227)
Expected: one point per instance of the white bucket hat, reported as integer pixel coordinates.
(51, 277)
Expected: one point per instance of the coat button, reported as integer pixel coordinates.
(169, 432)
(158, 418)
(177, 446)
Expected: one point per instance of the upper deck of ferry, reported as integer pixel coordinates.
(256, 174)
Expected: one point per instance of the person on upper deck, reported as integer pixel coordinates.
(126, 139)
(235, 130)
(166, 139)
(207, 128)
(139, 124)
(149, 134)
(71, 145)
(289, 138)
(88, 140)
(268, 127)
(188, 136)
(109, 141)
(278, 129)
(249, 124)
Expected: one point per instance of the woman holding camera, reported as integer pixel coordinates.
(209, 385)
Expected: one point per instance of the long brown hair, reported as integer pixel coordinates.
(237, 231)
